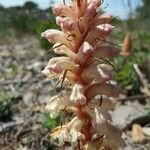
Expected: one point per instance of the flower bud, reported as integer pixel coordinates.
(91, 11)
(58, 9)
(69, 26)
(84, 52)
(63, 10)
(101, 19)
(102, 31)
(59, 20)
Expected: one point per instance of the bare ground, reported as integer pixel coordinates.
(21, 62)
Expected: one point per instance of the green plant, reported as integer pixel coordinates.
(48, 122)
(125, 74)
(147, 111)
(41, 27)
(14, 69)
(24, 23)
(5, 107)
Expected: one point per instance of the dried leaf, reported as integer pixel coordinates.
(127, 45)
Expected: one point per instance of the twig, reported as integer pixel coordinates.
(22, 81)
(8, 125)
(17, 81)
(142, 120)
(145, 89)
(134, 97)
(22, 132)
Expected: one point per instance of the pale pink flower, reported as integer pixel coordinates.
(85, 69)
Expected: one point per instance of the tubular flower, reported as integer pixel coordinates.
(83, 43)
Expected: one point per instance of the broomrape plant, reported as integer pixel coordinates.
(82, 43)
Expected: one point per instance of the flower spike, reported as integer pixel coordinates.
(84, 65)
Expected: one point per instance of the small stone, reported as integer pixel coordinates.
(137, 134)
(124, 114)
(28, 98)
(146, 131)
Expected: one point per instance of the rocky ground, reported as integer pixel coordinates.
(21, 62)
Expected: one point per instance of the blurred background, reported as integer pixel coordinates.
(24, 91)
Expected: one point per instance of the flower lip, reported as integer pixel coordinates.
(84, 52)
(62, 49)
(102, 19)
(70, 132)
(55, 36)
(106, 29)
(57, 103)
(67, 24)
(58, 64)
(103, 52)
(98, 73)
(99, 31)
(77, 95)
